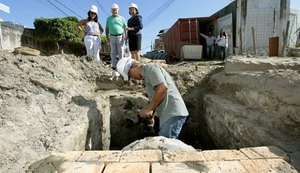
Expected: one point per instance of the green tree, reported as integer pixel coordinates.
(57, 29)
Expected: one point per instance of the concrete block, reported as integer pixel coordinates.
(80, 167)
(256, 165)
(127, 168)
(68, 156)
(280, 165)
(226, 166)
(182, 156)
(141, 156)
(220, 155)
(178, 168)
(55, 162)
(240, 64)
(264, 152)
(100, 156)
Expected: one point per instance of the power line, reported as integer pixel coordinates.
(68, 9)
(42, 2)
(47, 5)
(57, 8)
(78, 6)
(102, 8)
(157, 12)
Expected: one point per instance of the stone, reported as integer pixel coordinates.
(158, 142)
(26, 51)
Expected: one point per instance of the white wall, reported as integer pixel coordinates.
(294, 25)
(10, 37)
(260, 15)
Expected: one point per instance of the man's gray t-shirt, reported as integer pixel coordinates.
(173, 104)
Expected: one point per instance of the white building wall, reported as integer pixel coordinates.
(10, 37)
(294, 25)
(260, 15)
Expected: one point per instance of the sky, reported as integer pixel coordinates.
(157, 14)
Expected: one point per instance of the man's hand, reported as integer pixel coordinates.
(146, 112)
(151, 122)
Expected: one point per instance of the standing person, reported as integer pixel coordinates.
(134, 31)
(164, 96)
(92, 30)
(222, 42)
(210, 41)
(115, 33)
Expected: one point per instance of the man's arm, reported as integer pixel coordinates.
(159, 95)
(107, 33)
(204, 36)
(125, 28)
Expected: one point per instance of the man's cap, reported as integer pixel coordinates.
(123, 67)
(115, 6)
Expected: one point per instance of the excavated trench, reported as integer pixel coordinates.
(120, 126)
(125, 127)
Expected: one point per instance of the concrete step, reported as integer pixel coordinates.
(239, 64)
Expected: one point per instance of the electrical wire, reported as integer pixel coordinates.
(57, 8)
(157, 12)
(69, 9)
(47, 5)
(78, 6)
(102, 8)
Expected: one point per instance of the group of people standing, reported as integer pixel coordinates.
(117, 30)
(221, 41)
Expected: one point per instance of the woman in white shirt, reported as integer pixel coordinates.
(222, 42)
(92, 30)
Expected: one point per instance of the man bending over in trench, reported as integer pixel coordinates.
(162, 92)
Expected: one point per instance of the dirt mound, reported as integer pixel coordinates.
(48, 104)
(38, 115)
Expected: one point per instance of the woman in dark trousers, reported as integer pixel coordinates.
(222, 42)
(134, 31)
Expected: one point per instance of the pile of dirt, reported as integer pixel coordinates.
(38, 113)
